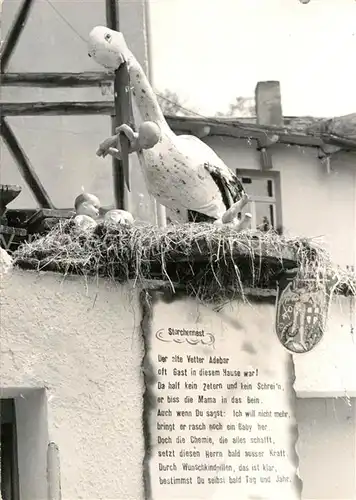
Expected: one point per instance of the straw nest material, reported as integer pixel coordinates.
(210, 262)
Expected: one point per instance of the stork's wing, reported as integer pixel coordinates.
(228, 183)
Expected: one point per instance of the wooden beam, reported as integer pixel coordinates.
(34, 222)
(258, 132)
(85, 79)
(25, 167)
(240, 131)
(341, 142)
(112, 18)
(14, 33)
(112, 21)
(252, 133)
(123, 114)
(57, 108)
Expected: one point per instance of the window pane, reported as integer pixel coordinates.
(264, 213)
(259, 186)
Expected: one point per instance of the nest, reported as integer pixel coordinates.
(209, 262)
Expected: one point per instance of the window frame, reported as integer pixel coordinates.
(276, 200)
(9, 454)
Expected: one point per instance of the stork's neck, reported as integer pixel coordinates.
(143, 94)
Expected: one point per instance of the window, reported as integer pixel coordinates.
(265, 193)
(9, 465)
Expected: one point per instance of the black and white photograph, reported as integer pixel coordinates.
(178, 250)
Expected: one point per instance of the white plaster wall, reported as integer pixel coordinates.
(81, 343)
(81, 348)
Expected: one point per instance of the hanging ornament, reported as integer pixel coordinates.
(301, 313)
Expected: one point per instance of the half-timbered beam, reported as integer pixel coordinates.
(25, 167)
(57, 108)
(112, 21)
(240, 131)
(123, 114)
(85, 79)
(14, 33)
(112, 18)
(340, 142)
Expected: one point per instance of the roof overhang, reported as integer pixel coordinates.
(263, 135)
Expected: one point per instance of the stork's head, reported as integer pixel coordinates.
(107, 47)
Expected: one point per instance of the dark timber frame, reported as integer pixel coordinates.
(56, 80)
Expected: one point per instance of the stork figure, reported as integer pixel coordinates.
(181, 172)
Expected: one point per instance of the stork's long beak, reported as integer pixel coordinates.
(123, 110)
(124, 148)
